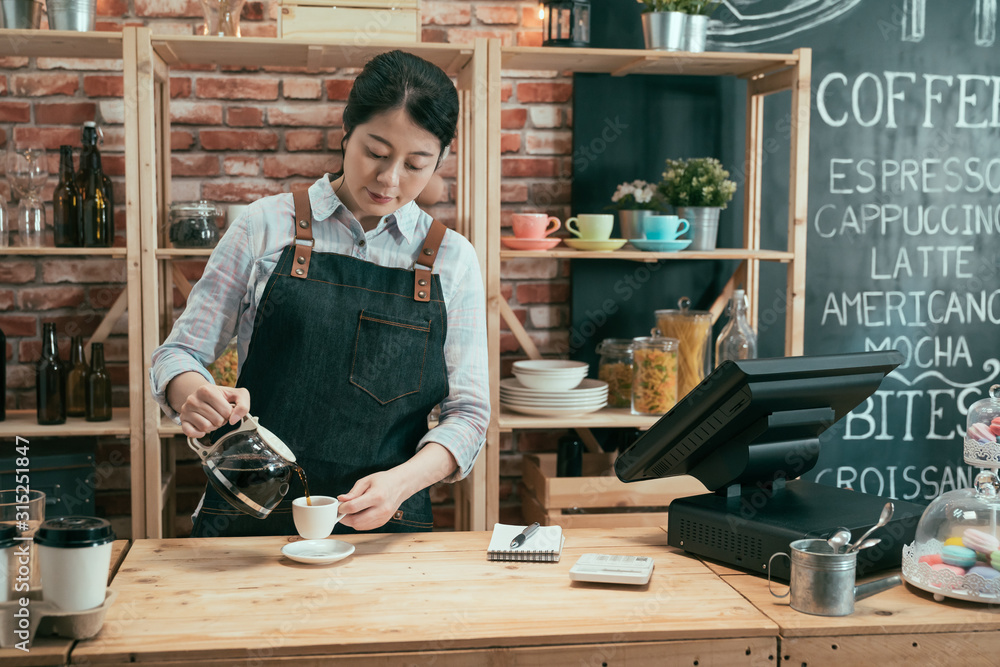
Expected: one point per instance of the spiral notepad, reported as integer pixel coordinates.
(544, 545)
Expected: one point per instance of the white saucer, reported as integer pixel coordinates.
(315, 552)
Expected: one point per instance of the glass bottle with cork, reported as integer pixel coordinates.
(98, 386)
(50, 380)
(737, 339)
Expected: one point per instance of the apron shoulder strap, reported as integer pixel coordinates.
(425, 261)
(303, 233)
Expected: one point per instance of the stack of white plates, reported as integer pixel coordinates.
(550, 374)
(588, 396)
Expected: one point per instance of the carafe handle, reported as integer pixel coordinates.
(248, 424)
(201, 450)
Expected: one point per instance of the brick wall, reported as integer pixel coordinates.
(240, 134)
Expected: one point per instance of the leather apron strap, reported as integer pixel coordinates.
(303, 233)
(425, 261)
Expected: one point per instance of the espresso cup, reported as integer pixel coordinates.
(316, 521)
(534, 225)
(664, 227)
(591, 226)
(74, 554)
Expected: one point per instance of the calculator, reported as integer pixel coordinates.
(610, 569)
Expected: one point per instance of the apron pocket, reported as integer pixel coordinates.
(389, 353)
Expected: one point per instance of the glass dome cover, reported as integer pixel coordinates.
(968, 519)
(982, 432)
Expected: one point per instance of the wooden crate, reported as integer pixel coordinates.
(598, 499)
(351, 21)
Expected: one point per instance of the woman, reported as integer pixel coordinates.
(346, 340)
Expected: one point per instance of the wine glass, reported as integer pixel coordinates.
(27, 170)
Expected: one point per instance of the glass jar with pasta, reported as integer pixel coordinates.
(654, 374)
(615, 368)
(693, 331)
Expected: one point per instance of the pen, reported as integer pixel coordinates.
(525, 534)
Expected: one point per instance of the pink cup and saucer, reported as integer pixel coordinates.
(531, 232)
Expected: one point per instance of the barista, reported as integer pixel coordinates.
(345, 341)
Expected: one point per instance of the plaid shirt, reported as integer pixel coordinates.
(224, 302)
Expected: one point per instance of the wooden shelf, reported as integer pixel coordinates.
(60, 44)
(631, 61)
(606, 418)
(182, 253)
(24, 423)
(311, 54)
(116, 253)
(642, 256)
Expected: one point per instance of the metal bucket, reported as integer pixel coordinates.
(21, 14)
(79, 15)
(695, 33)
(664, 30)
(630, 222)
(704, 225)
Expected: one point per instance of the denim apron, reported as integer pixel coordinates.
(345, 363)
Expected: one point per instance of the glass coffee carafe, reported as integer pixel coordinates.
(250, 467)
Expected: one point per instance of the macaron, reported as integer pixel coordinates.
(995, 560)
(981, 433)
(987, 573)
(954, 541)
(960, 571)
(979, 541)
(962, 557)
(931, 559)
(995, 429)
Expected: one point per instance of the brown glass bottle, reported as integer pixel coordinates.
(76, 380)
(67, 230)
(96, 224)
(50, 380)
(89, 143)
(98, 386)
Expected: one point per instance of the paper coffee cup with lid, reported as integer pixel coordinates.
(74, 554)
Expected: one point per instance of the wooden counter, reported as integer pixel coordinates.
(55, 650)
(421, 598)
(902, 627)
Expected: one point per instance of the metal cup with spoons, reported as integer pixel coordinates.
(883, 519)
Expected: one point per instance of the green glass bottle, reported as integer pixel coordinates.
(76, 380)
(50, 380)
(98, 386)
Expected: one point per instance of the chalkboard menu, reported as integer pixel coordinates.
(904, 217)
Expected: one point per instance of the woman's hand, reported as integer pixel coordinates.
(373, 500)
(211, 406)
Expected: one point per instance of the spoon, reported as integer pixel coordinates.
(839, 539)
(870, 542)
(882, 520)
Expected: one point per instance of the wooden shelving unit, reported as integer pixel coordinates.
(118, 49)
(765, 74)
(154, 56)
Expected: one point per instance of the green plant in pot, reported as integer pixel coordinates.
(634, 201)
(699, 188)
(663, 24)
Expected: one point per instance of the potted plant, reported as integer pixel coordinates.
(696, 25)
(663, 23)
(698, 188)
(634, 201)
